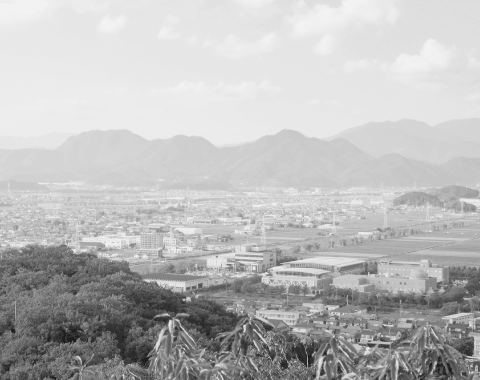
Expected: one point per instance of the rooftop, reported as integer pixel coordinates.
(459, 315)
(328, 260)
(171, 277)
(297, 270)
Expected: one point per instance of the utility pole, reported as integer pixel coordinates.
(334, 227)
(263, 241)
(385, 215)
(77, 239)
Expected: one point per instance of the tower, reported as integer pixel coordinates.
(334, 226)
(187, 202)
(77, 238)
(263, 240)
(385, 215)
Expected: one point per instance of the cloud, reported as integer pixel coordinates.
(473, 63)
(112, 24)
(323, 19)
(418, 69)
(167, 31)
(334, 103)
(361, 64)
(473, 97)
(234, 48)
(432, 57)
(330, 103)
(90, 5)
(328, 21)
(256, 4)
(21, 11)
(325, 46)
(15, 11)
(192, 40)
(223, 91)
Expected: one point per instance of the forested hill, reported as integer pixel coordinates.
(453, 192)
(68, 305)
(417, 198)
(448, 197)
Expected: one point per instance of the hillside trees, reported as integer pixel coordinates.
(417, 198)
(55, 305)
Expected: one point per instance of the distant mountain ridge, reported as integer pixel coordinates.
(417, 140)
(287, 158)
(48, 141)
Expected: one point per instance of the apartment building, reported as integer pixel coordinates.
(289, 317)
(150, 244)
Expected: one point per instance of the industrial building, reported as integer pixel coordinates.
(247, 258)
(109, 242)
(403, 268)
(221, 262)
(417, 281)
(284, 276)
(352, 281)
(178, 283)
(327, 263)
(189, 230)
(256, 259)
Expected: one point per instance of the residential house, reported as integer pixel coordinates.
(390, 334)
(458, 330)
(349, 309)
(279, 325)
(367, 336)
(303, 329)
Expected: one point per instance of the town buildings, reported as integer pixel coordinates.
(330, 264)
(178, 283)
(417, 281)
(285, 276)
(150, 244)
(289, 317)
(404, 268)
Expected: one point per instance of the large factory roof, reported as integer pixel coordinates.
(327, 260)
(297, 270)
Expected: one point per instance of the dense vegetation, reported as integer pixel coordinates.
(55, 305)
(449, 193)
(417, 198)
(66, 316)
(448, 197)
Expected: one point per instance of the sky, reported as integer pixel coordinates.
(235, 70)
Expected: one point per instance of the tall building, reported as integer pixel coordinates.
(404, 268)
(170, 239)
(150, 244)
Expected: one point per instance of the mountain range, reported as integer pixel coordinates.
(417, 140)
(47, 141)
(287, 158)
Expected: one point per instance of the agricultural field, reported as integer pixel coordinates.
(453, 247)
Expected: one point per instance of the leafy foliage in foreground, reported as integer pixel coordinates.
(55, 305)
(251, 351)
(66, 316)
